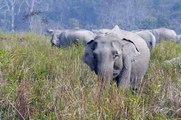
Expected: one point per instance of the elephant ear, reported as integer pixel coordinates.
(129, 49)
(92, 44)
(129, 52)
(88, 57)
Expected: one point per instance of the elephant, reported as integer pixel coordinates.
(100, 31)
(178, 38)
(103, 31)
(148, 37)
(66, 37)
(55, 34)
(120, 55)
(164, 33)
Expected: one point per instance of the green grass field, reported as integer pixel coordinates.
(39, 82)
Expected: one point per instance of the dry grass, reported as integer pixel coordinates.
(40, 82)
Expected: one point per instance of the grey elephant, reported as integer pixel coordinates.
(119, 55)
(66, 37)
(104, 31)
(165, 34)
(100, 31)
(178, 38)
(148, 37)
(55, 34)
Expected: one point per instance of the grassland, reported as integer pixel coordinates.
(45, 83)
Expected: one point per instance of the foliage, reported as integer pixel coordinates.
(41, 82)
(23, 15)
(149, 23)
(162, 22)
(176, 7)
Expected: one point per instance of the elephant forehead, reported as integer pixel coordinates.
(104, 46)
(105, 50)
(107, 37)
(106, 42)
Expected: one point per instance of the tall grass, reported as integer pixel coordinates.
(41, 82)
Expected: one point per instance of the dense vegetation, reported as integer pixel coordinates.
(38, 15)
(41, 82)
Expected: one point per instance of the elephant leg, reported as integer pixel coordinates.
(118, 81)
(124, 77)
(134, 84)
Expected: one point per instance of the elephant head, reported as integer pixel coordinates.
(55, 36)
(111, 58)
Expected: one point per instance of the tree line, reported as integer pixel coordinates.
(38, 15)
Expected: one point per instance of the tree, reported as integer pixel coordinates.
(149, 23)
(38, 15)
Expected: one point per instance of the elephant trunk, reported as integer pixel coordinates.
(105, 74)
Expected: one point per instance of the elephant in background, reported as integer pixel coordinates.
(66, 37)
(55, 34)
(100, 31)
(119, 55)
(148, 37)
(178, 38)
(164, 33)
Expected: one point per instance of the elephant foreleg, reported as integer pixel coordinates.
(124, 77)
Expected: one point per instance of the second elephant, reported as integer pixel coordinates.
(148, 37)
(178, 38)
(64, 38)
(164, 34)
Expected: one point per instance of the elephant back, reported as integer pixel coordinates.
(165, 34)
(148, 37)
(136, 39)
